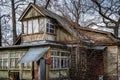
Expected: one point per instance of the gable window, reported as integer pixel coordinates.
(41, 25)
(60, 59)
(34, 26)
(50, 26)
(30, 28)
(25, 27)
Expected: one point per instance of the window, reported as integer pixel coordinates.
(30, 28)
(4, 61)
(60, 59)
(42, 25)
(14, 57)
(25, 27)
(50, 26)
(27, 65)
(35, 26)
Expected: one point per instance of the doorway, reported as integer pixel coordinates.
(95, 65)
(14, 75)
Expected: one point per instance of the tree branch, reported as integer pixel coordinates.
(101, 12)
(47, 4)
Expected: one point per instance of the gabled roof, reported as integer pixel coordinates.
(82, 33)
(50, 14)
(99, 37)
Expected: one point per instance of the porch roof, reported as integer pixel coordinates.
(33, 54)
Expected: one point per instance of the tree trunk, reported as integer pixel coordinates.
(34, 1)
(116, 30)
(0, 33)
(13, 21)
(48, 1)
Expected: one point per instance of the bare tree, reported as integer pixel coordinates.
(48, 1)
(16, 7)
(13, 21)
(73, 9)
(110, 12)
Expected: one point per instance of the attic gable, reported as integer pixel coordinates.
(30, 12)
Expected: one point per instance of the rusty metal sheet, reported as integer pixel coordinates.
(33, 54)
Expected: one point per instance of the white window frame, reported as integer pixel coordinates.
(14, 57)
(4, 58)
(50, 26)
(56, 54)
(29, 26)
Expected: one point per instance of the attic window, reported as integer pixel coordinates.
(34, 26)
(50, 26)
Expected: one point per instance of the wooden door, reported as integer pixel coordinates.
(42, 69)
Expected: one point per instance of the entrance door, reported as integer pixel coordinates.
(42, 69)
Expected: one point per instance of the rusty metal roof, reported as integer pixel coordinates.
(33, 54)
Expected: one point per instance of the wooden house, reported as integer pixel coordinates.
(52, 47)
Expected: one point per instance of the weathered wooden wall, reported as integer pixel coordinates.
(99, 37)
(118, 63)
(111, 63)
(37, 37)
(32, 13)
(63, 36)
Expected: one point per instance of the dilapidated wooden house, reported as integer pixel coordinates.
(52, 47)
